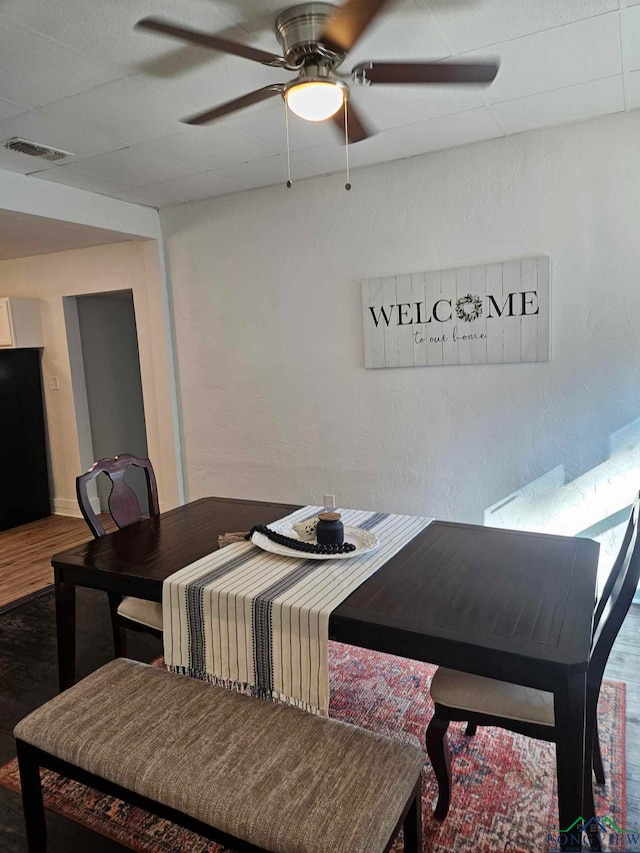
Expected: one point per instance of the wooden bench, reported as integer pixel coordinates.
(249, 774)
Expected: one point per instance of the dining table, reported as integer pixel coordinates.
(510, 605)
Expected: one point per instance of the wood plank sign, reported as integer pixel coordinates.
(491, 314)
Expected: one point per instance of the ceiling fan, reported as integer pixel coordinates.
(315, 39)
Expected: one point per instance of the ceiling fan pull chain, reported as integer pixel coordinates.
(286, 124)
(347, 186)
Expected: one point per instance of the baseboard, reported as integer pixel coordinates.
(63, 506)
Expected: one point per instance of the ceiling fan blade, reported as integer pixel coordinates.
(210, 116)
(356, 127)
(348, 22)
(210, 40)
(425, 72)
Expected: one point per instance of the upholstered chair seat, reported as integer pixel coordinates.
(488, 696)
(148, 613)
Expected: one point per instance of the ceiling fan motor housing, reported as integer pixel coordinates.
(299, 31)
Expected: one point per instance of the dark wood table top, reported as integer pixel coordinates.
(491, 601)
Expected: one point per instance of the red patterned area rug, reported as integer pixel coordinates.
(503, 796)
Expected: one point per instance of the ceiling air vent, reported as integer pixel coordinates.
(32, 149)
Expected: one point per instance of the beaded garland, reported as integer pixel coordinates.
(297, 545)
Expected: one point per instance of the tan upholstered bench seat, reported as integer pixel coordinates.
(278, 778)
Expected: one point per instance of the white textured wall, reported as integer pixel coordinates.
(119, 266)
(276, 401)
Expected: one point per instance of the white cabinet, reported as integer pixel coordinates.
(20, 324)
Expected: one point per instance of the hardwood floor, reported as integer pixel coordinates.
(28, 678)
(25, 553)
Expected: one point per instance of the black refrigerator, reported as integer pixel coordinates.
(24, 481)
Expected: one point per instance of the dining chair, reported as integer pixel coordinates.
(479, 701)
(124, 508)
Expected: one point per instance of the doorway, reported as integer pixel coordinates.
(107, 386)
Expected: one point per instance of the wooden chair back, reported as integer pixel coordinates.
(124, 506)
(616, 598)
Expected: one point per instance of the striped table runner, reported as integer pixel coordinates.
(259, 622)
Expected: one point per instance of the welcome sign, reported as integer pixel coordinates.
(491, 314)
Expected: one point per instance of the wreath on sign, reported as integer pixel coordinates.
(476, 308)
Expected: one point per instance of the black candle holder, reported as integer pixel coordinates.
(330, 529)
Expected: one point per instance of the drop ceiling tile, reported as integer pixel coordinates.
(8, 110)
(445, 132)
(131, 167)
(257, 17)
(126, 110)
(562, 106)
(13, 161)
(266, 124)
(331, 158)
(214, 79)
(193, 74)
(207, 148)
(630, 23)
(394, 106)
(404, 30)
(56, 133)
(72, 176)
(35, 70)
(469, 26)
(105, 30)
(272, 170)
(179, 190)
(632, 90)
(565, 56)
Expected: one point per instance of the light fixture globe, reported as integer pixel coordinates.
(315, 100)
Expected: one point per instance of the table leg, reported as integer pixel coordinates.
(569, 707)
(66, 632)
